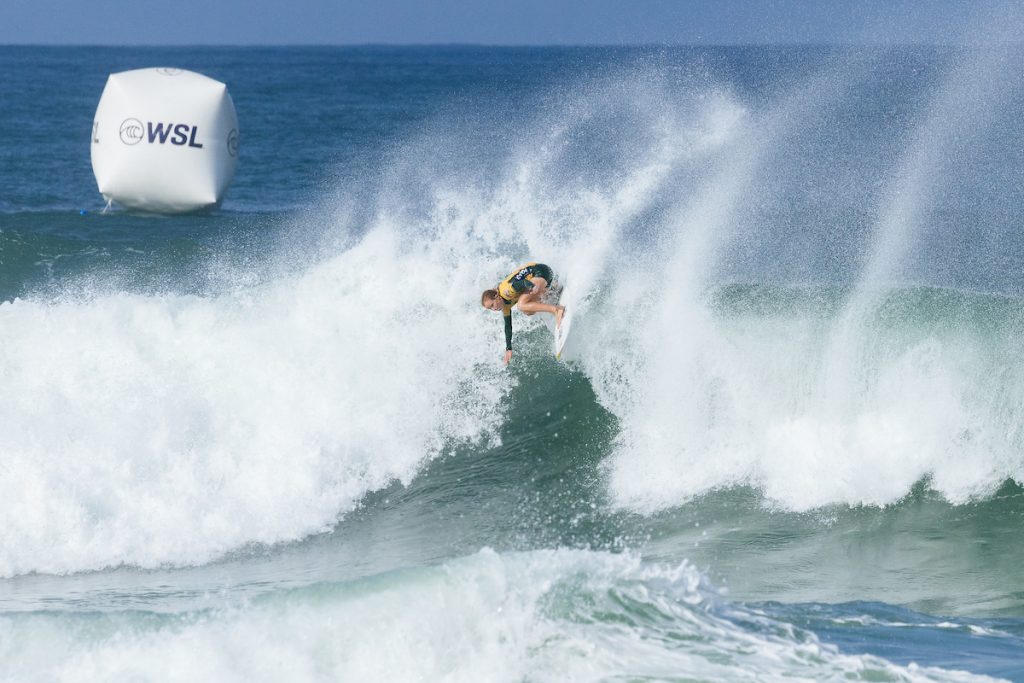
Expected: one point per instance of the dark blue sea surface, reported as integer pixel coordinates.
(276, 441)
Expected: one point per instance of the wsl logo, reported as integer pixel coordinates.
(181, 134)
(131, 131)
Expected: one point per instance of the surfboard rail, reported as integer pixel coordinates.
(562, 333)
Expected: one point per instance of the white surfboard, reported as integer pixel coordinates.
(562, 333)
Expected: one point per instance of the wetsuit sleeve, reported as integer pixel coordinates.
(508, 328)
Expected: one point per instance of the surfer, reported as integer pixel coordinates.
(525, 289)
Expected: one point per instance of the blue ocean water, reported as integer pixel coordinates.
(276, 441)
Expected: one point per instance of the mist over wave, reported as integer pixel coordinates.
(855, 410)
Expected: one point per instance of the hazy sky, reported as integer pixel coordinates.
(509, 22)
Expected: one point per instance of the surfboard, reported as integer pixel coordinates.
(562, 333)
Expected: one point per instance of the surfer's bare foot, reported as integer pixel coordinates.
(559, 312)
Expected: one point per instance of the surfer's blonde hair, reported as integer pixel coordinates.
(488, 295)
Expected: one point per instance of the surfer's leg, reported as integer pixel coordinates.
(548, 293)
(529, 305)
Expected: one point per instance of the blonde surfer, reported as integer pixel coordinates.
(524, 288)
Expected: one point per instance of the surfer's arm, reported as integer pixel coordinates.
(507, 312)
(508, 328)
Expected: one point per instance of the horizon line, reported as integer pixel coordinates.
(643, 45)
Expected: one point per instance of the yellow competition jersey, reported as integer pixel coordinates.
(512, 287)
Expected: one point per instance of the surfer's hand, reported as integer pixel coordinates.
(508, 356)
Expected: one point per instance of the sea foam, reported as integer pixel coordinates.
(542, 616)
(172, 429)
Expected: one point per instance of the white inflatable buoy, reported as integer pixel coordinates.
(164, 140)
